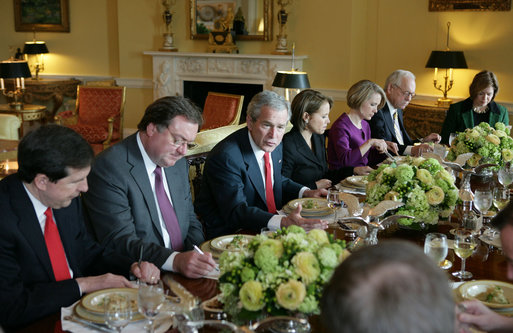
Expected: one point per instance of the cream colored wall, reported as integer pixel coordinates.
(345, 40)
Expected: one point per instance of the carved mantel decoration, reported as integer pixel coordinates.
(469, 5)
(170, 70)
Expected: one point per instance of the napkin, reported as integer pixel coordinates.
(213, 274)
(162, 323)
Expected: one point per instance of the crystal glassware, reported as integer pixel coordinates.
(334, 201)
(435, 246)
(505, 175)
(150, 299)
(464, 245)
(500, 197)
(483, 201)
(118, 311)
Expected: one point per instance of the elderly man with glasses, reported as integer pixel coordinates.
(139, 194)
(387, 123)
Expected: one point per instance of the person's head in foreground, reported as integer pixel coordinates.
(503, 221)
(389, 287)
(54, 162)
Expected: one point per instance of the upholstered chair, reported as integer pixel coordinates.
(221, 110)
(9, 127)
(98, 115)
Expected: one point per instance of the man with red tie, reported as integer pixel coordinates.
(47, 258)
(242, 184)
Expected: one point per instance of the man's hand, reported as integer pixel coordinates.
(319, 193)
(362, 170)
(93, 283)
(147, 272)
(433, 137)
(295, 218)
(193, 265)
(323, 183)
(392, 146)
(418, 150)
(476, 313)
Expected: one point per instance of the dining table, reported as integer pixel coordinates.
(487, 262)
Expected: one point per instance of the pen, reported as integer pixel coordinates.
(140, 255)
(197, 249)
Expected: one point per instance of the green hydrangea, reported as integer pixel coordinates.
(327, 256)
(404, 173)
(309, 305)
(265, 259)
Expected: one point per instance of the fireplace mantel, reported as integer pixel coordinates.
(170, 69)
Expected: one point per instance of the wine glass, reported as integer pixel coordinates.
(505, 175)
(150, 298)
(118, 311)
(483, 201)
(464, 245)
(500, 197)
(435, 246)
(334, 201)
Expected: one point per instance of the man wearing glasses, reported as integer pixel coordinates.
(387, 123)
(139, 194)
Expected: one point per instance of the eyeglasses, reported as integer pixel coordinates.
(406, 93)
(179, 143)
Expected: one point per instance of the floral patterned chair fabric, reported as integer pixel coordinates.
(221, 110)
(98, 115)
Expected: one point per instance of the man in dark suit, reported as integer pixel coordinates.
(238, 190)
(139, 191)
(45, 250)
(387, 123)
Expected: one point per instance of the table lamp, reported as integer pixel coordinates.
(18, 71)
(447, 60)
(36, 49)
(291, 80)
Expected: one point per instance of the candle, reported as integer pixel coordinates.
(436, 73)
(2, 84)
(22, 83)
(450, 74)
(17, 82)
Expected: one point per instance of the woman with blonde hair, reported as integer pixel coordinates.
(349, 141)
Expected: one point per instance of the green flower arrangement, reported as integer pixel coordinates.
(279, 273)
(423, 185)
(489, 145)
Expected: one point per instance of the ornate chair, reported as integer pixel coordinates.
(98, 115)
(221, 110)
(9, 127)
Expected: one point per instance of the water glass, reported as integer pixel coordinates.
(334, 201)
(505, 175)
(150, 299)
(483, 201)
(118, 311)
(500, 197)
(464, 245)
(435, 246)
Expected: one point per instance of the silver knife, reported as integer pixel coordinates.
(89, 324)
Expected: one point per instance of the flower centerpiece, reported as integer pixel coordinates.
(423, 185)
(489, 145)
(278, 274)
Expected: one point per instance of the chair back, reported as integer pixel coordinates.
(95, 105)
(221, 110)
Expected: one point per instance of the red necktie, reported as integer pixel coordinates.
(55, 248)
(269, 194)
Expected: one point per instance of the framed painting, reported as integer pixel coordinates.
(41, 15)
(470, 5)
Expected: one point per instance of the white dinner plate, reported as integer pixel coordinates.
(359, 181)
(93, 302)
(479, 288)
(224, 243)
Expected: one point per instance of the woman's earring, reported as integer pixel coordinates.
(306, 121)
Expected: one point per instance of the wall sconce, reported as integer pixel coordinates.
(18, 71)
(291, 80)
(447, 60)
(36, 49)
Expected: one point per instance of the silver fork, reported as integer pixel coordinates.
(390, 156)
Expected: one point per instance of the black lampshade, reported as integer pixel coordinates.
(446, 59)
(35, 48)
(296, 80)
(13, 69)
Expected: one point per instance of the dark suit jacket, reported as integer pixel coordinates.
(121, 209)
(304, 165)
(232, 194)
(460, 117)
(382, 127)
(28, 290)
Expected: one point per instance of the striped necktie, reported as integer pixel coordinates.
(398, 134)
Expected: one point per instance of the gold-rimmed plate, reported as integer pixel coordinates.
(99, 317)
(309, 206)
(358, 181)
(482, 289)
(93, 302)
(230, 242)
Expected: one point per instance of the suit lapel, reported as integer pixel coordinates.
(305, 151)
(468, 119)
(252, 168)
(277, 188)
(388, 120)
(406, 138)
(30, 227)
(140, 176)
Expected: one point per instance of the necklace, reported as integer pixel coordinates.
(480, 110)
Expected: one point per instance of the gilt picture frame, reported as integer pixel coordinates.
(41, 15)
(469, 5)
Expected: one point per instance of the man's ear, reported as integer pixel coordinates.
(151, 129)
(41, 181)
